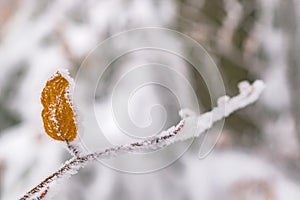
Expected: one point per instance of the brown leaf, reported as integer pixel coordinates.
(58, 113)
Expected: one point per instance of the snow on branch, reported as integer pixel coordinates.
(182, 131)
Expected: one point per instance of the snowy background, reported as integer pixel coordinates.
(258, 153)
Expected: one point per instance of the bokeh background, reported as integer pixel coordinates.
(257, 155)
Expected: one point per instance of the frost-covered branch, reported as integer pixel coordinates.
(182, 131)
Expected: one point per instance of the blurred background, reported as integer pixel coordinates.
(257, 155)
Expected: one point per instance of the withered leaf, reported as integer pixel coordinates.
(58, 112)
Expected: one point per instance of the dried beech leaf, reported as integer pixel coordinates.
(58, 114)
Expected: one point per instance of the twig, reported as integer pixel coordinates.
(74, 149)
(226, 106)
(43, 194)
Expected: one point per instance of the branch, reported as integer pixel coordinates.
(182, 131)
